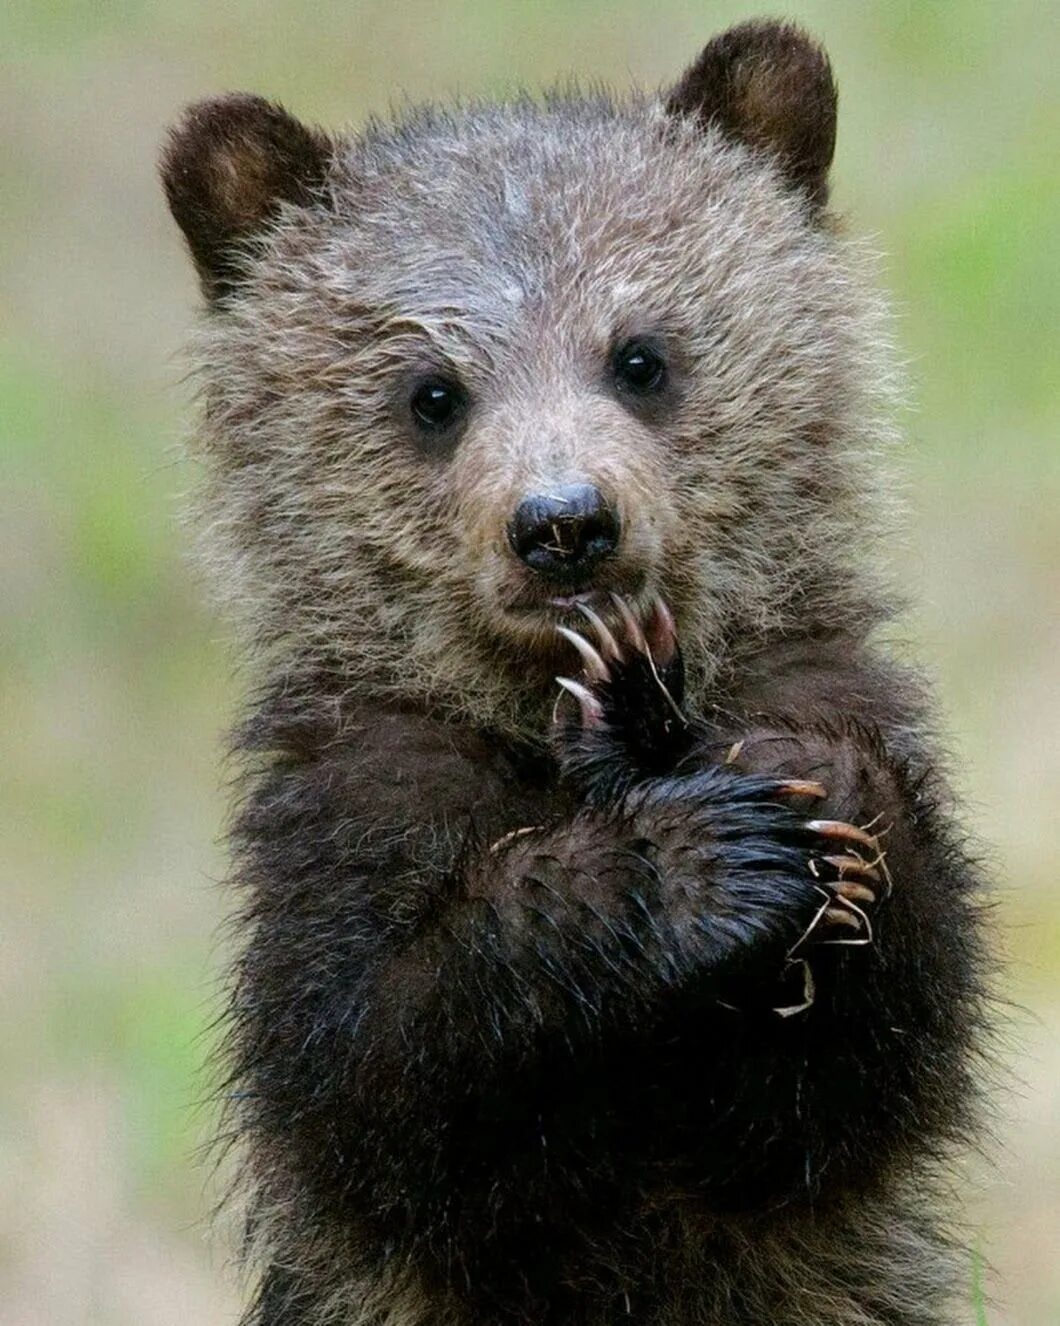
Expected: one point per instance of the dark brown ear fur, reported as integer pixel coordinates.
(227, 165)
(770, 86)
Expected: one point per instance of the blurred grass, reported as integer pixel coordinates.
(978, 1289)
(114, 685)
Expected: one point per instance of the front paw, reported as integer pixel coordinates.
(844, 873)
(629, 720)
(849, 870)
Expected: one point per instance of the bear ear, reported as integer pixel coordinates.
(770, 86)
(226, 167)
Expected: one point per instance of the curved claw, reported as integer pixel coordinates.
(608, 644)
(840, 916)
(809, 991)
(848, 864)
(855, 892)
(629, 621)
(849, 914)
(591, 708)
(595, 666)
(661, 632)
(803, 787)
(842, 906)
(847, 833)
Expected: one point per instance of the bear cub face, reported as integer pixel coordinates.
(463, 373)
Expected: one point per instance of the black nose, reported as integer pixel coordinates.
(562, 534)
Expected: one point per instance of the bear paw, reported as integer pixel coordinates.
(848, 874)
(629, 694)
(848, 867)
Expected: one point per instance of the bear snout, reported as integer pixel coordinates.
(563, 534)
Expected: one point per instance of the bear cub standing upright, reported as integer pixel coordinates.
(653, 995)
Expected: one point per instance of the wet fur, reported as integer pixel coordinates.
(486, 1076)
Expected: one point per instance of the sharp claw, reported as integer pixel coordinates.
(661, 631)
(848, 865)
(840, 908)
(595, 666)
(809, 991)
(855, 892)
(629, 621)
(608, 644)
(592, 709)
(659, 645)
(802, 787)
(840, 916)
(849, 914)
(848, 833)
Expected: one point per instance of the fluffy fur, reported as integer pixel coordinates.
(469, 240)
(504, 1045)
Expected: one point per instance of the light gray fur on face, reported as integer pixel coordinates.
(516, 246)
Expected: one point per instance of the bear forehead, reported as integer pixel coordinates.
(539, 187)
(571, 212)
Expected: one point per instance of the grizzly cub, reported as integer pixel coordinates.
(650, 996)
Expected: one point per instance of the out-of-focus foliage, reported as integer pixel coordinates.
(114, 683)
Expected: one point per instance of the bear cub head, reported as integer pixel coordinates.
(463, 372)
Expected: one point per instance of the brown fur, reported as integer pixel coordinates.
(773, 444)
(766, 85)
(238, 159)
(487, 1075)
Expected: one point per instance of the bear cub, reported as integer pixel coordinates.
(610, 951)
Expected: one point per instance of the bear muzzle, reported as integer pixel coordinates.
(564, 534)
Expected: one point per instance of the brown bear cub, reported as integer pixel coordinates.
(653, 995)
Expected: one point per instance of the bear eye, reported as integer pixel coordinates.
(639, 368)
(437, 404)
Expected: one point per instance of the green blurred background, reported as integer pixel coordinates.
(115, 683)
